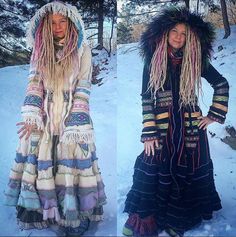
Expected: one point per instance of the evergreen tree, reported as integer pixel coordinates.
(124, 33)
(225, 19)
(14, 16)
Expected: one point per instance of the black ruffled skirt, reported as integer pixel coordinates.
(174, 188)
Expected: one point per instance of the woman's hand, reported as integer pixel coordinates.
(205, 121)
(149, 147)
(26, 129)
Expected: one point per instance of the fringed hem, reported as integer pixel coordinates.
(96, 218)
(33, 225)
(142, 226)
(67, 223)
(76, 223)
(33, 116)
(73, 135)
(51, 213)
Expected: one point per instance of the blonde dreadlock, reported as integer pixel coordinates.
(159, 66)
(190, 78)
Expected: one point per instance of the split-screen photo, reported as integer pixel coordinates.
(117, 118)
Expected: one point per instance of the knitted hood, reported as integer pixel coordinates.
(56, 7)
(167, 20)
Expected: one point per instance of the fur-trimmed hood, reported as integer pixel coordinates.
(167, 20)
(56, 7)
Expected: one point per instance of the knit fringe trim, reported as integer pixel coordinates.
(51, 213)
(75, 135)
(33, 116)
(96, 218)
(76, 223)
(55, 7)
(33, 225)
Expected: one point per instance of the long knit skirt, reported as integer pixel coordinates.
(52, 182)
(172, 189)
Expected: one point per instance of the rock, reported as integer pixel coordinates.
(220, 48)
(212, 134)
(231, 141)
(230, 130)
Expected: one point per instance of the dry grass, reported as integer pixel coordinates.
(138, 29)
(217, 20)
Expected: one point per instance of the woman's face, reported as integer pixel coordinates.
(59, 26)
(177, 36)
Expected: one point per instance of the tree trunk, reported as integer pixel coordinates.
(225, 18)
(187, 3)
(112, 29)
(100, 23)
(198, 1)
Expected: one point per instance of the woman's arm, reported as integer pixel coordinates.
(219, 107)
(31, 111)
(149, 131)
(78, 124)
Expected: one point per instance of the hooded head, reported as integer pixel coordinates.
(197, 48)
(56, 34)
(56, 7)
(168, 18)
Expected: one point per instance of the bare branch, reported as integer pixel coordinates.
(91, 28)
(92, 35)
(7, 10)
(139, 14)
(11, 50)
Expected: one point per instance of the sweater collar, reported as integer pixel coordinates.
(175, 56)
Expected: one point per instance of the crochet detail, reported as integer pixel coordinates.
(75, 134)
(32, 115)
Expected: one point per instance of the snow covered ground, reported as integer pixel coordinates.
(13, 81)
(129, 127)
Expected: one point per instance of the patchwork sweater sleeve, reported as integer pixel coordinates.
(149, 131)
(32, 109)
(78, 125)
(219, 107)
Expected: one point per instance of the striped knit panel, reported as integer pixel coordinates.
(79, 114)
(31, 110)
(76, 190)
(149, 131)
(75, 193)
(163, 104)
(191, 122)
(45, 182)
(78, 183)
(21, 188)
(219, 106)
(78, 125)
(34, 92)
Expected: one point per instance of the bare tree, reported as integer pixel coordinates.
(198, 2)
(187, 3)
(225, 19)
(111, 36)
(100, 23)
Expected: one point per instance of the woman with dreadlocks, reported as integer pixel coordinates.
(55, 178)
(173, 186)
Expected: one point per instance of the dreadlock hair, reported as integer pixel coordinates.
(190, 78)
(43, 56)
